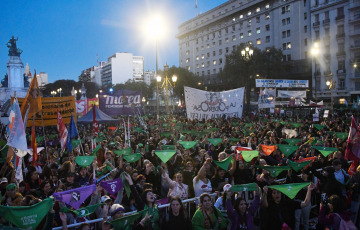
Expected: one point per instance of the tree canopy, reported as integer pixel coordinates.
(66, 85)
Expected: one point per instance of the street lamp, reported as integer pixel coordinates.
(174, 79)
(97, 95)
(247, 54)
(53, 93)
(331, 84)
(143, 101)
(315, 50)
(158, 80)
(166, 84)
(59, 91)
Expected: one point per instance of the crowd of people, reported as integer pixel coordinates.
(330, 199)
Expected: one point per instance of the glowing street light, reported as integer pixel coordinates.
(59, 91)
(53, 93)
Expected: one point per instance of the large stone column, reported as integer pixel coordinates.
(15, 73)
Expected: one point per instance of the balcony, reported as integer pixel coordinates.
(326, 21)
(341, 53)
(340, 17)
(316, 24)
(328, 73)
(354, 4)
(340, 35)
(354, 19)
(340, 71)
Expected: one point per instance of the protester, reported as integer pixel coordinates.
(176, 218)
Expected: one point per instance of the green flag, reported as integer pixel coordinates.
(319, 127)
(215, 141)
(292, 141)
(295, 125)
(138, 130)
(84, 161)
(99, 139)
(125, 184)
(132, 157)
(127, 222)
(105, 170)
(234, 140)
(247, 125)
(165, 134)
(168, 147)
(182, 137)
(326, 151)
(96, 149)
(53, 136)
(234, 124)
(39, 139)
(165, 125)
(75, 143)
(120, 152)
(287, 150)
(188, 144)
(290, 189)
(244, 187)
(224, 164)
(274, 170)
(165, 155)
(298, 165)
(81, 212)
(342, 136)
(249, 155)
(27, 217)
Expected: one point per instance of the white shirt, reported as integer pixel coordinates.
(200, 187)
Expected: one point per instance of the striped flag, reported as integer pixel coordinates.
(62, 131)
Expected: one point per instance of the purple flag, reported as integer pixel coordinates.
(112, 186)
(75, 197)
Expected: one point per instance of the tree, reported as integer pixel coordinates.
(66, 85)
(146, 90)
(239, 72)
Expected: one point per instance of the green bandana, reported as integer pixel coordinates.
(75, 143)
(342, 136)
(274, 170)
(84, 161)
(224, 164)
(138, 130)
(27, 217)
(188, 144)
(182, 137)
(244, 187)
(290, 189)
(165, 134)
(215, 141)
(298, 165)
(126, 222)
(132, 157)
(165, 125)
(295, 125)
(287, 150)
(165, 155)
(125, 184)
(234, 140)
(319, 127)
(106, 169)
(168, 147)
(325, 151)
(81, 212)
(39, 139)
(96, 149)
(292, 141)
(249, 155)
(120, 152)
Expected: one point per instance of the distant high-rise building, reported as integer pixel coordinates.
(149, 76)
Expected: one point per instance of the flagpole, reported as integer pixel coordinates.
(79, 136)
(42, 123)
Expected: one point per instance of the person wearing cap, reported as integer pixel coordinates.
(220, 203)
(12, 197)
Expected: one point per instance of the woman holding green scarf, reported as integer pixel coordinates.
(150, 216)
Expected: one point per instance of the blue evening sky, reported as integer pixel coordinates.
(64, 37)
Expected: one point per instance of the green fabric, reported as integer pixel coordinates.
(182, 137)
(325, 151)
(295, 125)
(342, 136)
(2, 143)
(224, 164)
(106, 169)
(125, 184)
(244, 187)
(168, 147)
(165, 134)
(319, 127)
(292, 141)
(154, 220)
(282, 122)
(4, 152)
(188, 144)
(53, 136)
(99, 139)
(27, 217)
(132, 157)
(126, 222)
(290, 189)
(287, 150)
(3, 227)
(274, 170)
(75, 143)
(96, 149)
(165, 155)
(200, 124)
(138, 130)
(234, 124)
(198, 220)
(298, 165)
(81, 212)
(330, 132)
(84, 161)
(234, 140)
(247, 125)
(165, 124)
(39, 139)
(249, 155)
(215, 141)
(120, 152)
(186, 131)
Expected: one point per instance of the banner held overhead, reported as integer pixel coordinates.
(121, 102)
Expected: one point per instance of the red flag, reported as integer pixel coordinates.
(353, 167)
(238, 151)
(95, 123)
(306, 159)
(353, 146)
(34, 144)
(62, 131)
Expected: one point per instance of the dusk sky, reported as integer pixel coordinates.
(62, 38)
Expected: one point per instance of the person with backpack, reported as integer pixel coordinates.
(337, 217)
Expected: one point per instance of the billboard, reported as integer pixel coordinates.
(121, 102)
(281, 83)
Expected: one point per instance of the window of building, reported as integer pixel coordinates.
(197, 49)
(306, 54)
(226, 30)
(188, 68)
(283, 22)
(249, 13)
(207, 46)
(305, 29)
(233, 19)
(267, 16)
(241, 35)
(203, 64)
(208, 63)
(340, 11)
(267, 39)
(233, 48)
(288, 57)
(305, 42)
(326, 14)
(316, 17)
(208, 72)
(267, 49)
(214, 53)
(340, 29)
(258, 19)
(288, 45)
(214, 62)
(341, 47)
(284, 46)
(327, 31)
(219, 33)
(267, 6)
(220, 51)
(249, 22)
(288, 33)
(234, 38)
(283, 34)
(197, 66)
(207, 55)
(267, 27)
(202, 56)
(341, 65)
(233, 27)
(220, 61)
(214, 71)
(288, 21)
(187, 52)
(258, 41)
(197, 41)
(258, 30)
(258, 10)
(287, 8)
(213, 44)
(197, 58)
(283, 10)
(305, 15)
(226, 40)
(227, 50)
(220, 42)
(249, 33)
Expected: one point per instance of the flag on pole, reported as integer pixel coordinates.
(353, 144)
(62, 131)
(32, 99)
(17, 138)
(75, 197)
(95, 122)
(33, 143)
(81, 212)
(72, 132)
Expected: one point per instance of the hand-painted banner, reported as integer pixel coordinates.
(267, 98)
(290, 94)
(282, 83)
(84, 106)
(121, 102)
(207, 105)
(65, 105)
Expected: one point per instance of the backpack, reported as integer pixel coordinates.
(346, 225)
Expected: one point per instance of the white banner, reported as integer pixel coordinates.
(281, 83)
(290, 94)
(206, 105)
(267, 98)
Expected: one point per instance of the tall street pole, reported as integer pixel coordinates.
(157, 87)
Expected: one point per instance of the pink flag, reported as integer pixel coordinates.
(353, 146)
(62, 131)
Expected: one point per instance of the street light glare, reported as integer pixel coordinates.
(315, 49)
(327, 83)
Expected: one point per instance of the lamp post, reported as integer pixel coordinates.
(315, 52)
(158, 80)
(247, 54)
(174, 79)
(331, 84)
(143, 101)
(53, 93)
(165, 85)
(59, 91)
